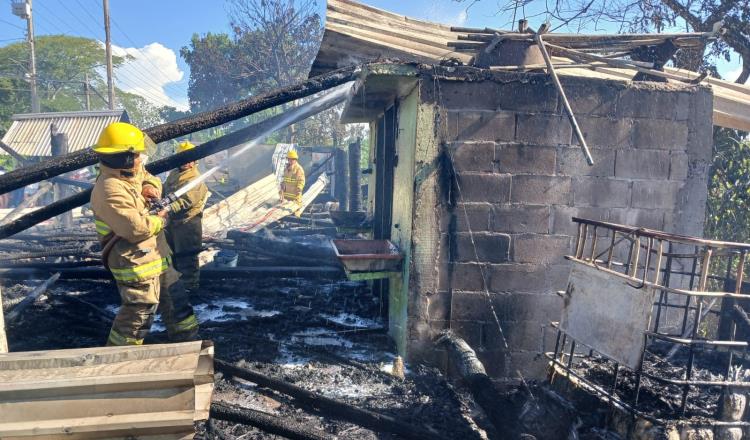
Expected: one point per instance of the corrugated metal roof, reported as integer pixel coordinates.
(357, 33)
(29, 134)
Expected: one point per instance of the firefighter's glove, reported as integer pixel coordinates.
(150, 192)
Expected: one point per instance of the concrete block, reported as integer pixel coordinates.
(678, 165)
(733, 405)
(642, 101)
(571, 162)
(533, 336)
(481, 247)
(521, 158)
(642, 164)
(540, 249)
(473, 157)
(642, 218)
(601, 192)
(655, 194)
(660, 134)
(557, 276)
(466, 217)
(605, 132)
(518, 278)
(520, 218)
(464, 276)
(495, 362)
(541, 190)
(519, 307)
(439, 306)
(587, 97)
(481, 126)
(532, 365)
(543, 129)
(471, 306)
(700, 138)
(517, 93)
(470, 331)
(562, 223)
(489, 188)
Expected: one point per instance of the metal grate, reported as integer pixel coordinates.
(696, 342)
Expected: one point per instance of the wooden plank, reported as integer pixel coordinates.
(150, 391)
(3, 336)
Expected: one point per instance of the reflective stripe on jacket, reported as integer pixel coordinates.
(192, 202)
(120, 209)
(293, 183)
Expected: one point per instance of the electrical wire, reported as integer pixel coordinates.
(11, 24)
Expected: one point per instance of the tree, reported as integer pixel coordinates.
(63, 63)
(659, 16)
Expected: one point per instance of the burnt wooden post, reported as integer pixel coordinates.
(341, 181)
(355, 175)
(59, 147)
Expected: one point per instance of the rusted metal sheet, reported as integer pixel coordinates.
(29, 134)
(144, 391)
(605, 312)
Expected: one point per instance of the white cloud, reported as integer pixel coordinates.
(150, 70)
(462, 16)
(442, 13)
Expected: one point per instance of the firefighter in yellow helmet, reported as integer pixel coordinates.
(133, 246)
(185, 229)
(294, 181)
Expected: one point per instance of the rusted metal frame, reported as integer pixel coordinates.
(705, 267)
(664, 235)
(689, 298)
(697, 383)
(581, 240)
(611, 250)
(733, 326)
(639, 373)
(663, 294)
(696, 341)
(593, 244)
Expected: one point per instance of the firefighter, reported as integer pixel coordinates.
(185, 229)
(133, 246)
(294, 181)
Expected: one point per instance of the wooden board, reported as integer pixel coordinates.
(254, 207)
(154, 391)
(607, 314)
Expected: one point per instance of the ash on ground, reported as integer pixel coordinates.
(320, 335)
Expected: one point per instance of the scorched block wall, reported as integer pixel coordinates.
(500, 165)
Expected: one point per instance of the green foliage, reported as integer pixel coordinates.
(728, 205)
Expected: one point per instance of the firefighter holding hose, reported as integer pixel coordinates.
(185, 230)
(294, 181)
(134, 248)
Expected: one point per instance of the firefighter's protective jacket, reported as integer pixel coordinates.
(120, 210)
(191, 203)
(294, 183)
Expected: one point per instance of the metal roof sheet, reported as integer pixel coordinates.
(357, 33)
(29, 134)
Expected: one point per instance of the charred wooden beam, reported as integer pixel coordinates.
(331, 407)
(223, 143)
(474, 375)
(31, 297)
(215, 273)
(73, 161)
(284, 427)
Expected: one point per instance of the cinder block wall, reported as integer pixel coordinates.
(520, 177)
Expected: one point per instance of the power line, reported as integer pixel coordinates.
(12, 24)
(142, 77)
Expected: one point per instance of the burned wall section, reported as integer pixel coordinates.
(502, 227)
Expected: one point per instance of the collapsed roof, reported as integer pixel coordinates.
(357, 33)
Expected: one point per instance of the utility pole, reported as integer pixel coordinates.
(23, 10)
(108, 44)
(87, 91)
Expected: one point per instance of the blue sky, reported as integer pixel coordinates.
(154, 31)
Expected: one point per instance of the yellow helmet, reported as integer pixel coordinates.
(120, 137)
(184, 146)
(292, 154)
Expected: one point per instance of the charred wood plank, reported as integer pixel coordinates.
(73, 161)
(331, 407)
(31, 297)
(214, 146)
(474, 375)
(268, 423)
(216, 273)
